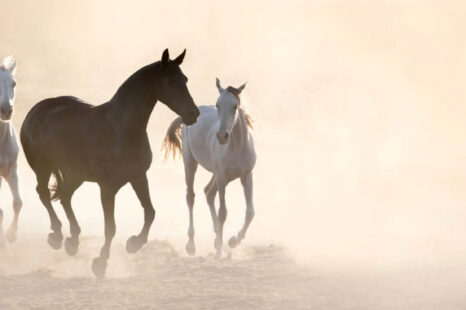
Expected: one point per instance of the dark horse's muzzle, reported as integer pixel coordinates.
(190, 117)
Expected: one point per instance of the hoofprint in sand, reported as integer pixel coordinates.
(254, 277)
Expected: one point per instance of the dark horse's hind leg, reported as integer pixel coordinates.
(72, 242)
(141, 187)
(99, 264)
(56, 237)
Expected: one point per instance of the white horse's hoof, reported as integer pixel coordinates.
(218, 243)
(11, 236)
(5, 252)
(233, 242)
(190, 248)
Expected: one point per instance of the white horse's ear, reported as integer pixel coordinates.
(219, 87)
(9, 64)
(240, 89)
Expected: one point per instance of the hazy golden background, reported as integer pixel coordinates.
(359, 111)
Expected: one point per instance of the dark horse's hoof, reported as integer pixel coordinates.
(71, 246)
(98, 267)
(55, 240)
(133, 244)
(233, 242)
(190, 248)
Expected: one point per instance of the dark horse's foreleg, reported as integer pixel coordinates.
(141, 187)
(56, 237)
(99, 264)
(246, 181)
(72, 242)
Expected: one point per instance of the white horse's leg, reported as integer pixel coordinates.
(12, 180)
(3, 244)
(222, 215)
(246, 181)
(190, 167)
(210, 192)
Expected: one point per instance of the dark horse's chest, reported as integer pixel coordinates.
(118, 157)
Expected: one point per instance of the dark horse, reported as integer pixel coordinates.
(107, 144)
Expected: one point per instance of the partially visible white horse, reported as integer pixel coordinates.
(221, 142)
(8, 144)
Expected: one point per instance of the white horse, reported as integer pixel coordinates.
(221, 142)
(8, 145)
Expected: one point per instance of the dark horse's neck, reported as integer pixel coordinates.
(135, 99)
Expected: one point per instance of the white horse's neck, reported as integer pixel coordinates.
(239, 134)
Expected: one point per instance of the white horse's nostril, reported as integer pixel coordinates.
(6, 112)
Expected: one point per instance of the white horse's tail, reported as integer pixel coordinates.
(56, 187)
(172, 141)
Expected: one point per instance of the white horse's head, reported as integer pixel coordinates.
(7, 87)
(227, 110)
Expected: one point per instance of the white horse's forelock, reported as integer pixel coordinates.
(9, 64)
(7, 81)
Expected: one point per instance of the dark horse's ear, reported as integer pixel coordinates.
(178, 60)
(165, 57)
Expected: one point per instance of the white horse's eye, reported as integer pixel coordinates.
(14, 84)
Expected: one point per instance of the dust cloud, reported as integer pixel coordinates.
(359, 120)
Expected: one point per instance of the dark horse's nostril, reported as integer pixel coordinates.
(226, 135)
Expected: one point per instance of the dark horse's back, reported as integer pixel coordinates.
(43, 142)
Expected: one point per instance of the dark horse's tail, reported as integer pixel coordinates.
(172, 141)
(31, 141)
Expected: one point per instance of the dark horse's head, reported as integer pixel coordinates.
(173, 90)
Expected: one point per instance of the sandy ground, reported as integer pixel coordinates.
(261, 277)
(359, 126)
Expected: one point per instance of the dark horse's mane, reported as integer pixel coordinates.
(141, 79)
